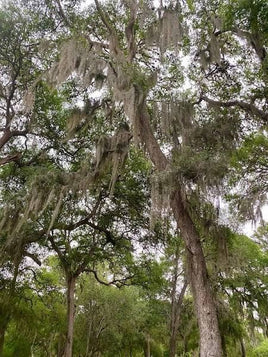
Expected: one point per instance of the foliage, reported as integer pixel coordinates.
(85, 194)
(260, 350)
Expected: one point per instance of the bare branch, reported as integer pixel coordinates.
(33, 257)
(117, 282)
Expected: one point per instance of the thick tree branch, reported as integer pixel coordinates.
(114, 41)
(248, 107)
(10, 96)
(10, 158)
(130, 31)
(59, 252)
(33, 257)
(7, 135)
(86, 222)
(62, 13)
(255, 41)
(104, 18)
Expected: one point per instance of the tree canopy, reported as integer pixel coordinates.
(133, 139)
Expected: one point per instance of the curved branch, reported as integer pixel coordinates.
(130, 32)
(33, 257)
(248, 107)
(255, 41)
(8, 134)
(117, 282)
(104, 18)
(114, 41)
(61, 255)
(84, 222)
(62, 13)
(10, 158)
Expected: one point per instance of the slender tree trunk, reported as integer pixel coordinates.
(7, 317)
(88, 339)
(173, 331)
(185, 344)
(2, 339)
(175, 319)
(32, 346)
(243, 350)
(223, 343)
(210, 339)
(71, 280)
(266, 327)
(176, 305)
(147, 349)
(173, 342)
(60, 347)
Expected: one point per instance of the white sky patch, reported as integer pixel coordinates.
(249, 227)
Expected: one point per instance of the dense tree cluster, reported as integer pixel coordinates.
(133, 148)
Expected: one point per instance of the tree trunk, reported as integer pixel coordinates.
(173, 343)
(88, 340)
(7, 314)
(210, 339)
(71, 280)
(243, 350)
(60, 346)
(176, 305)
(223, 343)
(147, 349)
(2, 340)
(175, 319)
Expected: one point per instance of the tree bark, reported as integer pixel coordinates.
(205, 307)
(175, 317)
(71, 280)
(147, 349)
(5, 137)
(2, 340)
(7, 317)
(210, 339)
(243, 350)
